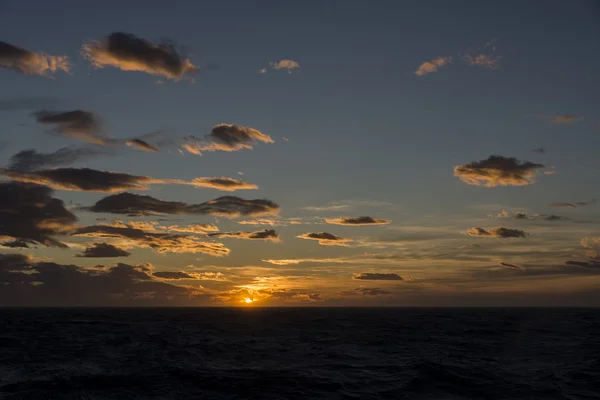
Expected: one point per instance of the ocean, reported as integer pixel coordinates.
(299, 353)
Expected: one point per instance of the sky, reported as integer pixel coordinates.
(314, 153)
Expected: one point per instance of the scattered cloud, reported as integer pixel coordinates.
(173, 275)
(586, 203)
(30, 159)
(30, 213)
(501, 232)
(509, 265)
(326, 239)
(483, 60)
(498, 171)
(432, 66)
(288, 65)
(104, 250)
(194, 228)
(357, 221)
(142, 145)
(348, 204)
(267, 234)
(369, 276)
(226, 137)
(30, 63)
(540, 150)
(560, 118)
(139, 205)
(91, 180)
(128, 52)
(369, 291)
(77, 124)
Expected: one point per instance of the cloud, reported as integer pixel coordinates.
(222, 183)
(432, 66)
(288, 65)
(560, 118)
(194, 228)
(368, 276)
(501, 232)
(128, 52)
(161, 242)
(509, 265)
(553, 217)
(142, 145)
(173, 275)
(562, 205)
(30, 159)
(346, 204)
(30, 63)
(357, 221)
(30, 213)
(77, 124)
(226, 206)
(262, 71)
(498, 171)
(226, 137)
(326, 239)
(540, 150)
(586, 203)
(26, 282)
(102, 250)
(269, 234)
(91, 180)
(371, 291)
(483, 60)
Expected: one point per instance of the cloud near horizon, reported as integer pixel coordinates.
(226, 137)
(29, 63)
(500, 232)
(357, 221)
(370, 276)
(90, 180)
(326, 239)
(141, 205)
(432, 66)
(498, 171)
(128, 52)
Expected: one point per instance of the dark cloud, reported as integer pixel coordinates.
(498, 171)
(30, 213)
(30, 63)
(27, 160)
(357, 221)
(501, 232)
(27, 283)
(586, 203)
(369, 276)
(138, 205)
(267, 234)
(77, 124)
(562, 205)
(104, 250)
(173, 275)
(161, 242)
(16, 244)
(131, 53)
(226, 137)
(540, 150)
(325, 239)
(28, 103)
(509, 265)
(91, 180)
(142, 145)
(371, 291)
(553, 217)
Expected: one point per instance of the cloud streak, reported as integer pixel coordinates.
(267, 234)
(128, 52)
(357, 221)
(226, 137)
(500, 233)
(326, 239)
(369, 276)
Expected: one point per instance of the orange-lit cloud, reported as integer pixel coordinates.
(326, 239)
(357, 221)
(432, 66)
(483, 60)
(560, 118)
(103, 250)
(371, 276)
(287, 65)
(501, 232)
(142, 145)
(30, 63)
(222, 183)
(269, 234)
(226, 137)
(498, 171)
(128, 52)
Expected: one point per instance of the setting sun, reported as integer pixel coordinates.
(248, 300)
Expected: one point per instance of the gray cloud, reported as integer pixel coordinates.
(138, 205)
(540, 150)
(325, 239)
(142, 145)
(30, 159)
(226, 137)
(30, 213)
(371, 291)
(509, 265)
(131, 53)
(103, 250)
(77, 124)
(357, 221)
(30, 63)
(562, 205)
(267, 234)
(498, 171)
(369, 276)
(501, 232)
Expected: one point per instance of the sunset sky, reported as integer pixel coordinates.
(386, 153)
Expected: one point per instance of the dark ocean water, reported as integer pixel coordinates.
(300, 353)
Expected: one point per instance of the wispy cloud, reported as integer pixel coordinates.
(357, 221)
(31, 63)
(501, 232)
(483, 60)
(432, 66)
(498, 171)
(226, 137)
(326, 239)
(128, 52)
(287, 65)
(77, 124)
(267, 234)
(560, 118)
(371, 276)
(30, 159)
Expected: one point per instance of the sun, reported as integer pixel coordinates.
(248, 300)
